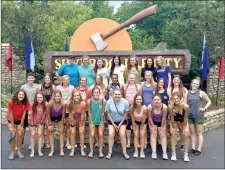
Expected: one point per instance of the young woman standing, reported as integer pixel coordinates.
(36, 119)
(130, 90)
(117, 109)
(55, 116)
(157, 113)
(148, 88)
(178, 113)
(115, 85)
(196, 115)
(138, 112)
(17, 108)
(161, 89)
(66, 90)
(86, 70)
(77, 108)
(149, 66)
(178, 87)
(96, 108)
(101, 70)
(117, 68)
(133, 68)
(100, 85)
(163, 71)
(47, 88)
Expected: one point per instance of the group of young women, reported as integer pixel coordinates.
(129, 99)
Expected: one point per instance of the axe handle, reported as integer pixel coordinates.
(146, 12)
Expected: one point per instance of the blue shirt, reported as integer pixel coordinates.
(88, 72)
(71, 71)
(122, 106)
(163, 73)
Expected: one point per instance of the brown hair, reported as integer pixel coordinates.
(157, 88)
(157, 95)
(96, 66)
(95, 88)
(15, 99)
(54, 94)
(197, 79)
(181, 87)
(172, 105)
(129, 66)
(30, 74)
(35, 103)
(135, 97)
(43, 88)
(71, 104)
(101, 84)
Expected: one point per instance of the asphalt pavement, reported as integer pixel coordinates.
(212, 156)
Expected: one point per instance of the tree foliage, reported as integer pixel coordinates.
(181, 24)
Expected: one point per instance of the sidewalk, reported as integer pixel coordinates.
(213, 156)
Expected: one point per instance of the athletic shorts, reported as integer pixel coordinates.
(56, 119)
(199, 121)
(16, 122)
(129, 124)
(117, 123)
(158, 124)
(139, 123)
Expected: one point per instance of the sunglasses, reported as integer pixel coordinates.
(176, 75)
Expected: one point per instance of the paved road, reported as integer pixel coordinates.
(213, 157)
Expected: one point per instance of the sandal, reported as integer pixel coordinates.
(109, 156)
(126, 156)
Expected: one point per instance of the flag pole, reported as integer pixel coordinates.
(217, 91)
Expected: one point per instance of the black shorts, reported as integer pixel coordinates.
(26, 120)
(56, 119)
(117, 123)
(67, 115)
(178, 119)
(129, 124)
(16, 122)
(139, 123)
(158, 124)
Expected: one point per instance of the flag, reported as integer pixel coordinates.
(29, 58)
(66, 46)
(221, 69)
(205, 61)
(9, 58)
(202, 51)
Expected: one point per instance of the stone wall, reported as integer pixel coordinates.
(18, 69)
(212, 81)
(213, 119)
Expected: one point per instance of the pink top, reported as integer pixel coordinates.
(66, 92)
(139, 116)
(131, 91)
(35, 119)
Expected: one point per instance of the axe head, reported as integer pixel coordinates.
(99, 42)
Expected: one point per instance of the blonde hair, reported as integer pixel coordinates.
(71, 103)
(129, 66)
(196, 79)
(85, 56)
(66, 77)
(172, 105)
(152, 82)
(163, 62)
(53, 96)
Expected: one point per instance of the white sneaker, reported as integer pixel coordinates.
(186, 158)
(135, 155)
(68, 146)
(154, 155)
(76, 146)
(165, 157)
(29, 147)
(142, 155)
(173, 157)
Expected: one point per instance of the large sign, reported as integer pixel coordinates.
(178, 60)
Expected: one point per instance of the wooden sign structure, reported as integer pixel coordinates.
(178, 60)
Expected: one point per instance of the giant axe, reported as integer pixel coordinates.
(98, 38)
